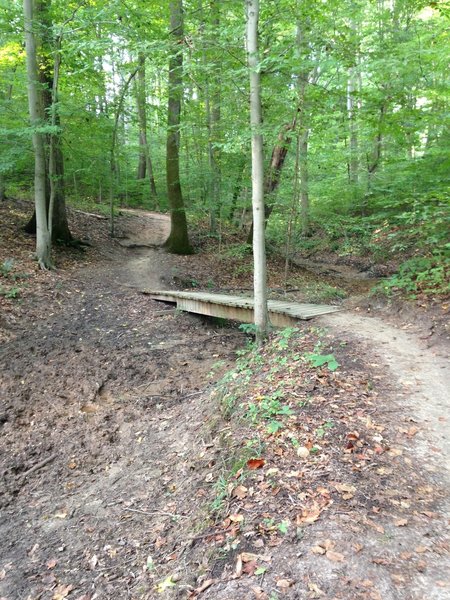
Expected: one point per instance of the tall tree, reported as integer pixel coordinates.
(35, 102)
(178, 241)
(145, 166)
(259, 248)
(48, 56)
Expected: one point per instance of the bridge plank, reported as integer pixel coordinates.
(240, 308)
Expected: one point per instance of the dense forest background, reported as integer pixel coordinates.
(355, 119)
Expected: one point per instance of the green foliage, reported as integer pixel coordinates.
(421, 275)
(319, 360)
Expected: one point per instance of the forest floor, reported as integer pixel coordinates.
(123, 477)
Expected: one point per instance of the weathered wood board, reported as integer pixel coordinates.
(240, 308)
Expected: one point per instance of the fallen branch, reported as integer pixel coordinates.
(39, 465)
(88, 214)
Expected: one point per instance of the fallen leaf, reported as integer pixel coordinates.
(260, 594)
(318, 550)
(255, 463)
(412, 431)
(250, 568)
(401, 522)
(315, 589)
(334, 556)
(406, 555)
(397, 578)
(420, 549)
(62, 591)
(302, 452)
(205, 585)
(51, 564)
(236, 518)
(284, 584)
(378, 528)
(240, 491)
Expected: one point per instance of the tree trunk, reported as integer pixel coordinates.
(145, 166)
(259, 250)
(178, 241)
(353, 163)
(213, 110)
(304, 181)
(43, 238)
(273, 175)
(57, 217)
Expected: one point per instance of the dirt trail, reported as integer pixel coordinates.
(420, 375)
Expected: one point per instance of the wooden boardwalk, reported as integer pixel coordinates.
(240, 308)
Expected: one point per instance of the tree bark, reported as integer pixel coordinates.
(259, 249)
(273, 175)
(35, 102)
(145, 166)
(54, 159)
(178, 241)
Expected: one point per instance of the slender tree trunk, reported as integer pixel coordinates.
(213, 111)
(178, 241)
(273, 175)
(48, 71)
(112, 150)
(353, 164)
(259, 249)
(145, 166)
(43, 237)
(2, 188)
(304, 180)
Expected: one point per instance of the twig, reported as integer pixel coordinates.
(39, 465)
(154, 513)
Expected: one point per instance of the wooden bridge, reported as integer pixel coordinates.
(240, 308)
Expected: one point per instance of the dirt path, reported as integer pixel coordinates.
(420, 376)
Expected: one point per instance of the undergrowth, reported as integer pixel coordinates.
(263, 393)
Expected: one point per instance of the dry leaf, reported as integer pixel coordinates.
(318, 550)
(302, 452)
(412, 431)
(248, 556)
(236, 518)
(51, 564)
(284, 584)
(335, 556)
(62, 591)
(315, 590)
(378, 528)
(260, 594)
(401, 522)
(240, 491)
(255, 463)
(250, 568)
(420, 549)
